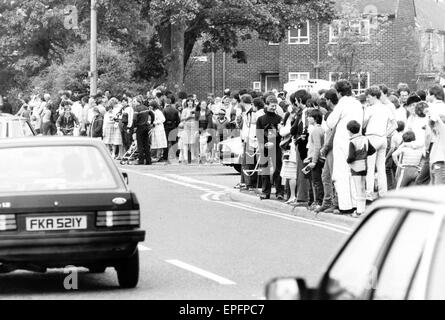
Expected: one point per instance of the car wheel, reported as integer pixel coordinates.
(237, 167)
(97, 269)
(128, 271)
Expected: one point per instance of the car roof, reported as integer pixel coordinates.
(429, 194)
(49, 141)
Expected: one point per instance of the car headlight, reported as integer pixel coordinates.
(8, 222)
(109, 219)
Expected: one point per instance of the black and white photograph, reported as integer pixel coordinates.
(222, 154)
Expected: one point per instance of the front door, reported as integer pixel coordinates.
(272, 82)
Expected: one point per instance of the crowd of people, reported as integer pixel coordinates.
(333, 151)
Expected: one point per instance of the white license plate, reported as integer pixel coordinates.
(56, 223)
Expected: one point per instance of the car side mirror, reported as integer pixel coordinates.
(125, 175)
(286, 289)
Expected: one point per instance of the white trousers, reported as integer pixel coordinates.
(343, 182)
(377, 161)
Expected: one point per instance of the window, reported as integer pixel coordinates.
(299, 35)
(356, 27)
(294, 76)
(257, 85)
(50, 168)
(354, 273)
(403, 258)
(436, 290)
(360, 80)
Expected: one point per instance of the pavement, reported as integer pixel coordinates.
(252, 198)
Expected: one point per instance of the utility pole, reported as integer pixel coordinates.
(93, 61)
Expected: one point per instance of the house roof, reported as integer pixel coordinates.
(386, 7)
(430, 14)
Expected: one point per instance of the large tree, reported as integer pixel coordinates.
(36, 33)
(181, 23)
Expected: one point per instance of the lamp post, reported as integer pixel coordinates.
(93, 61)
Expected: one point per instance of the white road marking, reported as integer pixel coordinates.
(324, 225)
(209, 193)
(201, 272)
(188, 185)
(143, 248)
(191, 180)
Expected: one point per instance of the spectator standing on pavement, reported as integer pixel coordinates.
(249, 142)
(347, 109)
(222, 129)
(172, 120)
(376, 124)
(77, 110)
(96, 130)
(127, 124)
(314, 162)
(143, 123)
(436, 133)
(158, 138)
(205, 131)
(109, 130)
(67, 121)
(400, 111)
(268, 143)
(189, 117)
(407, 161)
(6, 107)
(359, 151)
(330, 201)
(300, 132)
(46, 120)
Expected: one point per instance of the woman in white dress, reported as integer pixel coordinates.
(158, 137)
(191, 130)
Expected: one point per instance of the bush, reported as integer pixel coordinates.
(115, 72)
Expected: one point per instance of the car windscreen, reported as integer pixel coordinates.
(54, 168)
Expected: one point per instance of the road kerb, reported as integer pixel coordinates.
(237, 196)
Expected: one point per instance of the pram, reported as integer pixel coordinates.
(131, 155)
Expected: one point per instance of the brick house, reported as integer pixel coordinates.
(412, 51)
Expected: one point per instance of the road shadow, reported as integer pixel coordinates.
(52, 282)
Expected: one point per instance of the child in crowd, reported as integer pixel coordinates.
(359, 150)
(391, 168)
(408, 161)
(314, 162)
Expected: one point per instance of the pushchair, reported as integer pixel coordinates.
(131, 155)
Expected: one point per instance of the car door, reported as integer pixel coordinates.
(353, 274)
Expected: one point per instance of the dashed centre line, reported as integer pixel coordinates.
(201, 272)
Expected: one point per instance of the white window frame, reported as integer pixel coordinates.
(366, 37)
(266, 82)
(274, 43)
(257, 85)
(300, 39)
(359, 90)
(298, 76)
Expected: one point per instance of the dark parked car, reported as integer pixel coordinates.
(396, 253)
(63, 202)
(15, 127)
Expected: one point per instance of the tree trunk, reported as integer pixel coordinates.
(175, 65)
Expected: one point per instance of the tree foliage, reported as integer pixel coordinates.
(356, 33)
(224, 23)
(115, 70)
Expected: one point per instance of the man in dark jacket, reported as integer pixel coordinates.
(143, 122)
(97, 124)
(7, 107)
(268, 143)
(172, 120)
